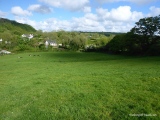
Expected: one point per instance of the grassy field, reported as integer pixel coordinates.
(79, 86)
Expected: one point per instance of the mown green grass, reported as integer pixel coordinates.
(95, 86)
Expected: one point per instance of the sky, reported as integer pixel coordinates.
(79, 15)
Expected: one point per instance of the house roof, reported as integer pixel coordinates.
(51, 41)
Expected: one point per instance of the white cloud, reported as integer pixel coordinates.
(154, 11)
(106, 1)
(112, 26)
(2, 14)
(72, 5)
(39, 8)
(87, 23)
(140, 2)
(136, 16)
(91, 16)
(55, 3)
(119, 19)
(87, 9)
(46, 25)
(18, 11)
(26, 21)
(122, 13)
(103, 14)
(77, 24)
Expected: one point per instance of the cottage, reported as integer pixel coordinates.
(52, 43)
(1, 40)
(4, 52)
(30, 36)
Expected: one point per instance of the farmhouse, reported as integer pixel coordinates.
(30, 36)
(4, 52)
(1, 40)
(52, 43)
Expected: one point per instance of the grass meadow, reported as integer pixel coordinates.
(79, 86)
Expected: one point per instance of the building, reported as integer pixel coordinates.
(1, 40)
(52, 43)
(29, 36)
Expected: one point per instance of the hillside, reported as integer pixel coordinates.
(14, 27)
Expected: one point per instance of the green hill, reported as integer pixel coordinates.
(14, 27)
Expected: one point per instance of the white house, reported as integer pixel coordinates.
(30, 36)
(5, 52)
(1, 40)
(46, 44)
(52, 43)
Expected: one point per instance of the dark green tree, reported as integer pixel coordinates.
(149, 28)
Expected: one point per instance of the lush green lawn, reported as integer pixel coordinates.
(84, 86)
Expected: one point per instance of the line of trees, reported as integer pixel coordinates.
(69, 40)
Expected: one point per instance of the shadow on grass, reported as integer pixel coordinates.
(82, 57)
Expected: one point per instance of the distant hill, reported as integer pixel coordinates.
(106, 33)
(14, 27)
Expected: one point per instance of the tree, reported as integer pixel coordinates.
(143, 39)
(77, 41)
(149, 28)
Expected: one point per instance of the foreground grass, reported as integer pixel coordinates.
(84, 86)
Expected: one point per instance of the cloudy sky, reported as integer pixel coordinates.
(79, 15)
